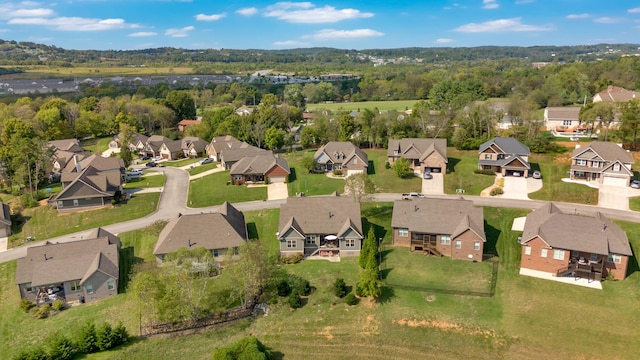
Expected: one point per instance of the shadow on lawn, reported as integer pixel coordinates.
(127, 263)
(492, 235)
(451, 164)
(252, 230)
(633, 262)
(292, 176)
(371, 169)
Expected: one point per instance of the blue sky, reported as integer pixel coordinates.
(196, 24)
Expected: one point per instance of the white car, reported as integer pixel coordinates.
(134, 172)
(206, 161)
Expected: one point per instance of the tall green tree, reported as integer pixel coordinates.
(182, 104)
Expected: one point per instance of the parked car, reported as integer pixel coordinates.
(516, 173)
(157, 158)
(427, 175)
(151, 164)
(206, 161)
(134, 172)
(635, 184)
(412, 195)
(146, 157)
(536, 175)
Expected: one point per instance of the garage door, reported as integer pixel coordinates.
(617, 181)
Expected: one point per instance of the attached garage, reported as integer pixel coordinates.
(616, 181)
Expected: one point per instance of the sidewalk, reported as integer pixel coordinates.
(4, 243)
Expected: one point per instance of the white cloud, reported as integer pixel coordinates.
(634, 10)
(247, 11)
(501, 25)
(307, 13)
(24, 9)
(182, 32)
(443, 41)
(291, 43)
(40, 12)
(490, 4)
(212, 17)
(608, 20)
(333, 34)
(74, 23)
(577, 16)
(143, 34)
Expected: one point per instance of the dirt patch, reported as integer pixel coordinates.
(326, 332)
(370, 327)
(446, 326)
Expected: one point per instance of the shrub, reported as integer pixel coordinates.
(26, 305)
(484, 172)
(295, 301)
(351, 299)
(104, 337)
(58, 305)
(29, 200)
(402, 168)
(266, 180)
(41, 312)
(299, 285)
(60, 347)
(293, 259)
(113, 201)
(337, 172)
(87, 338)
(37, 353)
(496, 191)
(245, 348)
(387, 165)
(120, 335)
(283, 288)
(340, 288)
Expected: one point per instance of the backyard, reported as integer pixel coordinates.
(214, 190)
(386, 180)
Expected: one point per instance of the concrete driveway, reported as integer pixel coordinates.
(515, 188)
(615, 197)
(433, 186)
(277, 191)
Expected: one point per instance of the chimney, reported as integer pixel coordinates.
(330, 215)
(77, 163)
(45, 257)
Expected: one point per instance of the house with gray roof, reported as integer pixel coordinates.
(216, 231)
(559, 244)
(193, 146)
(153, 145)
(341, 156)
(505, 156)
(171, 150)
(440, 227)
(81, 270)
(601, 162)
(230, 156)
(5, 220)
(423, 154)
(614, 94)
(221, 143)
(325, 226)
(255, 169)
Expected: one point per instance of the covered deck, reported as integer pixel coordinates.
(49, 294)
(323, 246)
(425, 243)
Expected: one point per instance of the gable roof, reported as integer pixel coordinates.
(259, 164)
(222, 229)
(593, 234)
(91, 183)
(320, 215)
(341, 152)
(243, 150)
(417, 148)
(439, 216)
(608, 151)
(173, 146)
(615, 94)
(76, 260)
(507, 145)
(71, 145)
(193, 142)
(189, 122)
(562, 113)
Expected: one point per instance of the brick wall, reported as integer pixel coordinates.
(468, 238)
(547, 264)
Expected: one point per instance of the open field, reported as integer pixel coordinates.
(399, 105)
(460, 173)
(214, 190)
(553, 168)
(386, 180)
(99, 71)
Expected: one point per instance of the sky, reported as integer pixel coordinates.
(270, 25)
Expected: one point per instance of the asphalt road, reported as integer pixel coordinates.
(173, 201)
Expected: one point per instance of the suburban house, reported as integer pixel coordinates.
(341, 156)
(428, 155)
(185, 123)
(193, 146)
(91, 182)
(171, 150)
(563, 120)
(64, 151)
(614, 94)
(5, 220)
(244, 111)
(441, 227)
(70, 145)
(217, 232)
(326, 226)
(221, 143)
(82, 270)
(136, 145)
(505, 156)
(257, 168)
(601, 162)
(559, 244)
(153, 144)
(228, 157)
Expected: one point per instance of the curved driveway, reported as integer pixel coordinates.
(174, 198)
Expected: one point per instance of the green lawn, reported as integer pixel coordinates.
(181, 162)
(634, 203)
(44, 222)
(263, 225)
(301, 180)
(386, 180)
(460, 173)
(96, 144)
(213, 190)
(146, 182)
(202, 168)
(553, 169)
(399, 105)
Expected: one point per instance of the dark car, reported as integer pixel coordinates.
(151, 164)
(146, 157)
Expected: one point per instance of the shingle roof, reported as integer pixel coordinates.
(71, 145)
(258, 164)
(616, 94)
(417, 148)
(563, 113)
(173, 146)
(193, 142)
(244, 150)
(91, 183)
(606, 150)
(508, 146)
(593, 234)
(438, 216)
(341, 152)
(320, 214)
(219, 230)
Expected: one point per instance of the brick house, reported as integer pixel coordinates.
(441, 227)
(601, 162)
(257, 168)
(423, 154)
(504, 156)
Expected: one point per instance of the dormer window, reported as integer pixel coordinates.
(616, 167)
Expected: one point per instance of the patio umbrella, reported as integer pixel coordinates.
(330, 237)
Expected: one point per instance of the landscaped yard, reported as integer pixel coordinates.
(301, 181)
(146, 182)
(214, 190)
(460, 173)
(44, 222)
(386, 180)
(553, 169)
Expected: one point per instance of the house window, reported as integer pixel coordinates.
(75, 285)
(311, 239)
(615, 258)
(111, 285)
(403, 232)
(350, 243)
(558, 254)
(355, 160)
(487, 156)
(28, 288)
(337, 166)
(616, 167)
(75, 202)
(595, 164)
(593, 257)
(543, 253)
(236, 251)
(476, 245)
(566, 122)
(445, 239)
(291, 244)
(575, 253)
(458, 244)
(215, 252)
(89, 288)
(581, 162)
(60, 204)
(527, 250)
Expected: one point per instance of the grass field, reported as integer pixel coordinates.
(460, 173)
(553, 168)
(181, 162)
(399, 105)
(146, 182)
(44, 222)
(386, 180)
(96, 144)
(213, 190)
(104, 71)
(202, 168)
(311, 184)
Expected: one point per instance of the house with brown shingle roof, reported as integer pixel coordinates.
(342, 156)
(429, 154)
(614, 94)
(441, 227)
(217, 232)
(171, 150)
(221, 143)
(153, 144)
(193, 146)
(257, 168)
(185, 123)
(559, 244)
(228, 157)
(82, 270)
(326, 226)
(70, 145)
(563, 119)
(601, 162)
